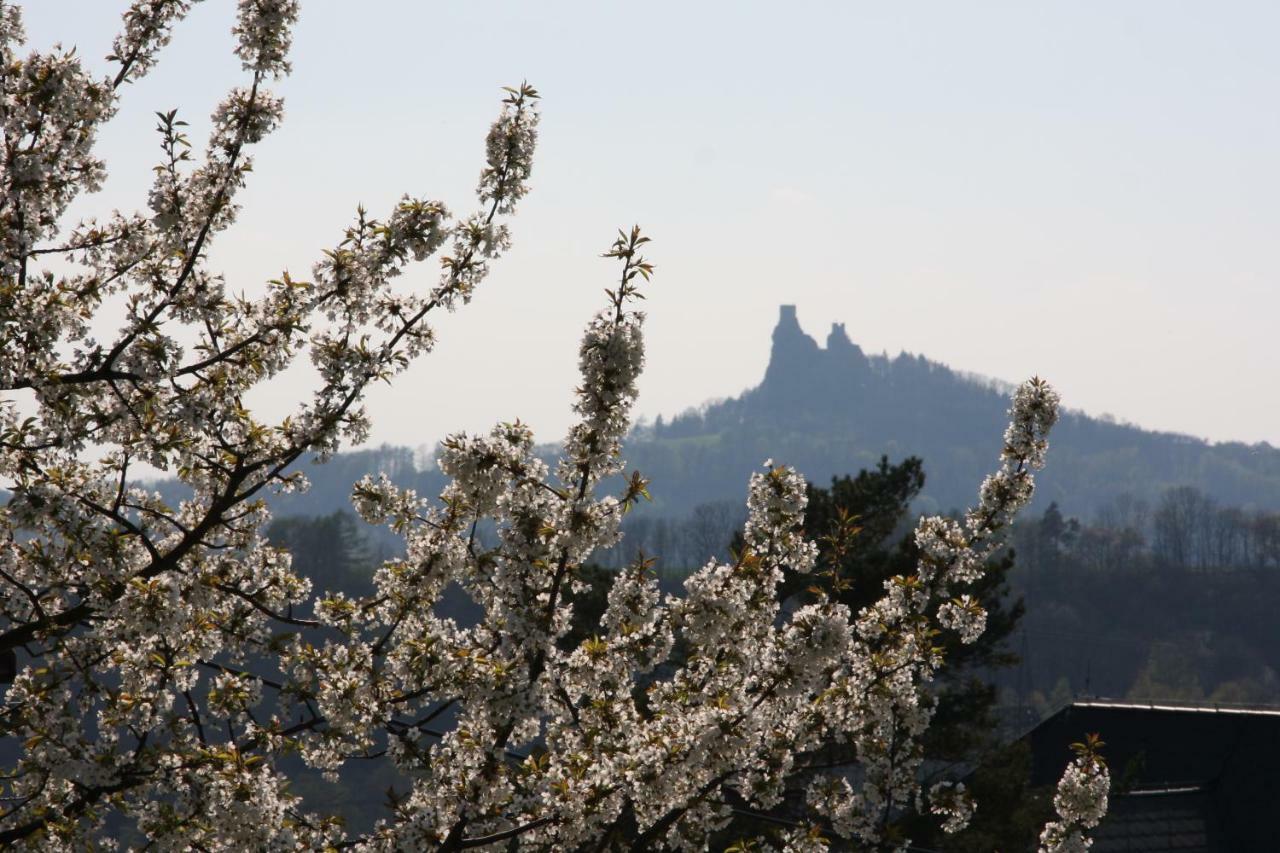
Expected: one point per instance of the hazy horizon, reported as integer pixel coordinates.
(1084, 192)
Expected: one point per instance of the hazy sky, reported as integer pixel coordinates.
(1089, 191)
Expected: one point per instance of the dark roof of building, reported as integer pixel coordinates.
(1190, 778)
(1176, 819)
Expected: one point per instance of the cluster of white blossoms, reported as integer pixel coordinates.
(952, 802)
(881, 703)
(1081, 800)
(167, 659)
(147, 636)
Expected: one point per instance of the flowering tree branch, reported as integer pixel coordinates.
(168, 658)
(1081, 800)
(117, 597)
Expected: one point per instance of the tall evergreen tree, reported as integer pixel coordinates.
(330, 549)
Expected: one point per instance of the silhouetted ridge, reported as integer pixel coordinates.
(834, 410)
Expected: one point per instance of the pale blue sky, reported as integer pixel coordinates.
(1089, 191)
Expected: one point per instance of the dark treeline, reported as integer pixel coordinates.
(1173, 601)
(1185, 529)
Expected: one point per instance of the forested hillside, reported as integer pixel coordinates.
(830, 411)
(1170, 602)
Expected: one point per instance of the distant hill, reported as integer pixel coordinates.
(834, 410)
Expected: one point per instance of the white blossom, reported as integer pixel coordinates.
(170, 658)
(1080, 801)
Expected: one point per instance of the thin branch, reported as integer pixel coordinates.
(480, 841)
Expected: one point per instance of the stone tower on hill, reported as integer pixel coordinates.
(844, 353)
(794, 353)
(800, 372)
